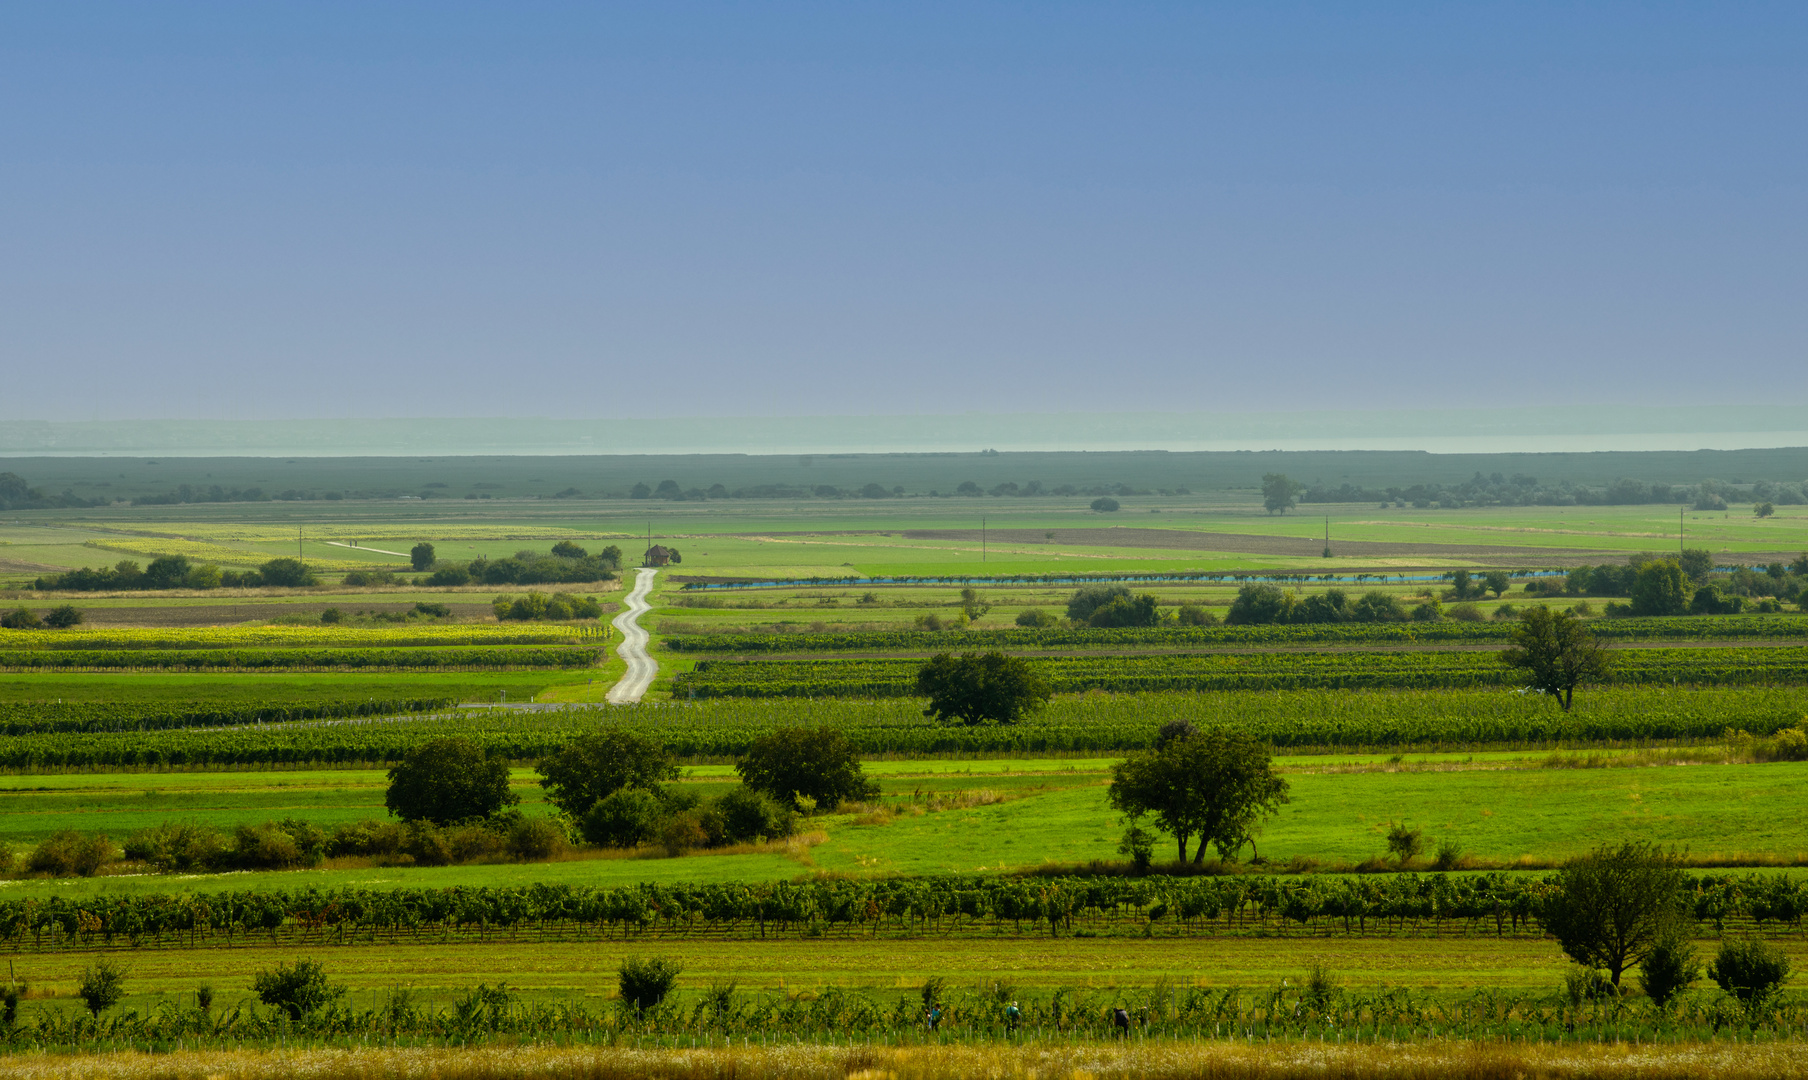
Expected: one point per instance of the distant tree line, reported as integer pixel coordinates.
(1689, 584)
(672, 490)
(1522, 490)
(17, 494)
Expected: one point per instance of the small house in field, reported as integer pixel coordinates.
(657, 555)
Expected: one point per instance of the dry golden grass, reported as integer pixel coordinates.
(1154, 1061)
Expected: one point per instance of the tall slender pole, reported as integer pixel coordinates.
(298, 554)
(1679, 511)
(982, 538)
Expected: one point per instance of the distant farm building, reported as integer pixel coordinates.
(659, 555)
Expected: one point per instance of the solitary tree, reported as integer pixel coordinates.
(1764, 510)
(818, 764)
(448, 780)
(593, 767)
(421, 555)
(1613, 906)
(993, 687)
(1498, 581)
(64, 616)
(1104, 504)
(1278, 492)
(1558, 652)
(101, 986)
(973, 605)
(297, 989)
(1216, 784)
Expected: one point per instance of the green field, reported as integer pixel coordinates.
(1499, 808)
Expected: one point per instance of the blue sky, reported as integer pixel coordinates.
(389, 209)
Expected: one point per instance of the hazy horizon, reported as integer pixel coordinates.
(1568, 429)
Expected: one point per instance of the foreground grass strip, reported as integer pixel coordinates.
(1149, 1061)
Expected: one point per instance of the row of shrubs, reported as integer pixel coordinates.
(632, 817)
(185, 846)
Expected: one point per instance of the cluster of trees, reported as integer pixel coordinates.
(1265, 604)
(538, 607)
(567, 563)
(1115, 606)
(17, 494)
(177, 572)
(1522, 490)
(56, 618)
(1615, 908)
(1688, 583)
(614, 788)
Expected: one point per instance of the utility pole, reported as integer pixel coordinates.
(1679, 512)
(982, 538)
(298, 555)
(1327, 536)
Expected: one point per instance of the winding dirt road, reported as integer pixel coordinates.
(641, 667)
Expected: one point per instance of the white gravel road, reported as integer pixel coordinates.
(641, 667)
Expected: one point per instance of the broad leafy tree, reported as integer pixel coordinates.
(994, 687)
(421, 556)
(593, 767)
(286, 573)
(1260, 605)
(1613, 906)
(1216, 785)
(1698, 563)
(1279, 492)
(448, 780)
(1089, 598)
(815, 763)
(1661, 587)
(1105, 504)
(1558, 652)
(1497, 581)
(1124, 611)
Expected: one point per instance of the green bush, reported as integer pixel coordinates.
(1195, 615)
(62, 617)
(177, 846)
(1465, 612)
(427, 844)
(20, 619)
(750, 815)
(535, 838)
(67, 852)
(101, 985)
(366, 838)
(278, 845)
(1669, 968)
(1036, 617)
(645, 983)
(628, 818)
(1749, 970)
(297, 989)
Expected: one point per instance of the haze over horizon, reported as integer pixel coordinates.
(707, 210)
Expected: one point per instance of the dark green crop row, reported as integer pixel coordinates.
(1679, 628)
(1101, 724)
(430, 659)
(51, 717)
(1489, 904)
(1242, 671)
